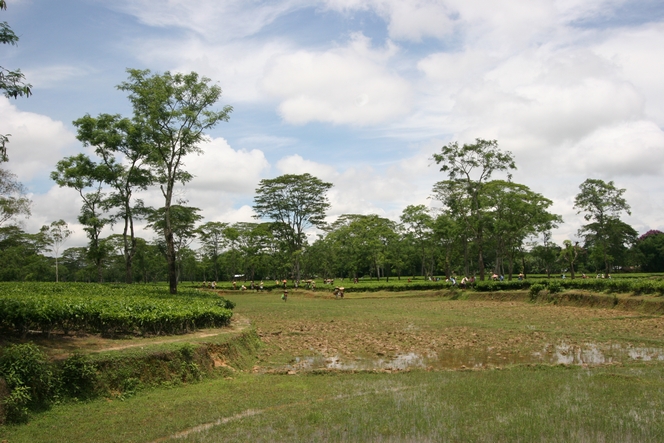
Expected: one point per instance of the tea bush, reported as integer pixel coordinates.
(107, 309)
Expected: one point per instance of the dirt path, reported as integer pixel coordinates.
(61, 346)
(238, 324)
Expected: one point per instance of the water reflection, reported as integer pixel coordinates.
(563, 353)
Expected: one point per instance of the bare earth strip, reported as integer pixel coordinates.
(59, 346)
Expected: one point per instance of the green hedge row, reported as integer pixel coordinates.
(107, 309)
(633, 286)
(629, 286)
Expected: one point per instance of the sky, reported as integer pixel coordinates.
(356, 93)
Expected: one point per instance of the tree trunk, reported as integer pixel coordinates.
(172, 262)
(480, 262)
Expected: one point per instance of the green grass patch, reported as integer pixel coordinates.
(612, 404)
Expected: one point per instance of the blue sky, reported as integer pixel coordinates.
(358, 93)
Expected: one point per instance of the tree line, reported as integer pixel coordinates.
(482, 226)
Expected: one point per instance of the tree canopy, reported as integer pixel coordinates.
(293, 203)
(173, 111)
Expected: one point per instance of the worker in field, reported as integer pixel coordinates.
(284, 296)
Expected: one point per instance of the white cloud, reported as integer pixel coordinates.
(224, 170)
(237, 66)
(632, 148)
(217, 19)
(366, 190)
(639, 54)
(344, 85)
(37, 142)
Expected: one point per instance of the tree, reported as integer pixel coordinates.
(545, 254)
(294, 203)
(516, 213)
(56, 234)
(602, 203)
(570, 253)
(12, 83)
(418, 223)
(85, 176)
(173, 111)
(211, 234)
(12, 197)
(651, 250)
(183, 227)
(21, 257)
(469, 168)
(123, 151)
(362, 244)
(446, 235)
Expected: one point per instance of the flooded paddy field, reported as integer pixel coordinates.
(437, 333)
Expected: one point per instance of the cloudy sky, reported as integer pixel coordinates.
(358, 93)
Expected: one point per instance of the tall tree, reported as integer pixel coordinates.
(294, 203)
(123, 152)
(602, 204)
(79, 172)
(55, 235)
(469, 168)
(173, 111)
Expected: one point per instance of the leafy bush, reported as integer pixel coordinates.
(536, 289)
(29, 378)
(16, 405)
(128, 309)
(491, 286)
(554, 287)
(79, 377)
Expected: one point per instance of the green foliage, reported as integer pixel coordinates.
(30, 379)
(12, 83)
(651, 251)
(554, 287)
(79, 377)
(172, 112)
(13, 201)
(491, 286)
(536, 289)
(120, 309)
(16, 405)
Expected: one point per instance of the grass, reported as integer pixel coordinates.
(612, 404)
(501, 402)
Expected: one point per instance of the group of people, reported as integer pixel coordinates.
(210, 285)
(597, 276)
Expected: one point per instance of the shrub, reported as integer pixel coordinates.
(108, 309)
(79, 377)
(16, 405)
(536, 289)
(29, 378)
(554, 287)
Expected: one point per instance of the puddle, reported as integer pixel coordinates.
(586, 354)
